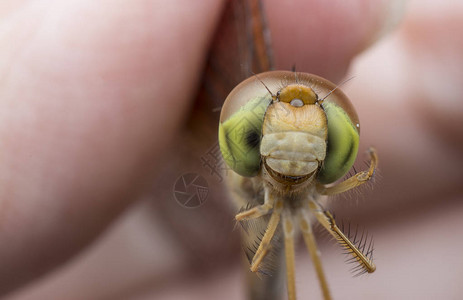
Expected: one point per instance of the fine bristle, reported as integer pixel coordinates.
(358, 245)
(252, 232)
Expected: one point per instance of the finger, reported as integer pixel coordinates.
(322, 37)
(407, 93)
(91, 93)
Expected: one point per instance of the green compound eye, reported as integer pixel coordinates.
(343, 137)
(241, 119)
(240, 135)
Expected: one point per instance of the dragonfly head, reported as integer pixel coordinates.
(277, 121)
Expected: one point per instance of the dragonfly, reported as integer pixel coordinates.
(288, 138)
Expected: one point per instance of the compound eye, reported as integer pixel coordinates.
(343, 136)
(240, 127)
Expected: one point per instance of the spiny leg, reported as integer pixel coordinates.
(307, 233)
(364, 261)
(260, 210)
(326, 219)
(354, 181)
(288, 229)
(267, 238)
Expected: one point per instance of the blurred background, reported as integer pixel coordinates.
(407, 90)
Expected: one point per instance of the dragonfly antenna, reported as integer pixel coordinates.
(271, 94)
(342, 83)
(295, 73)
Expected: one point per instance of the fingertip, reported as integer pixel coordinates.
(322, 37)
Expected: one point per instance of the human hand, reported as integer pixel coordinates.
(72, 166)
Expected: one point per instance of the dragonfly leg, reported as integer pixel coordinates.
(307, 233)
(259, 210)
(267, 238)
(354, 181)
(359, 250)
(288, 228)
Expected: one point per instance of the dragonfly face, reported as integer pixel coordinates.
(277, 120)
(289, 134)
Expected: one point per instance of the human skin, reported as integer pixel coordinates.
(84, 116)
(85, 121)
